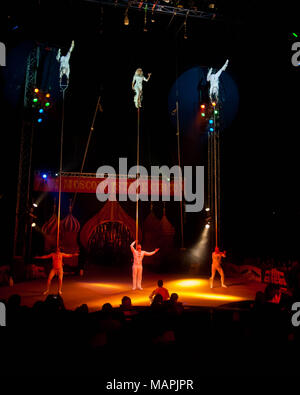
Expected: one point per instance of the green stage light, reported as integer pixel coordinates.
(47, 104)
(35, 100)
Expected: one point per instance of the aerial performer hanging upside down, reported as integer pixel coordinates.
(57, 267)
(137, 267)
(217, 255)
(214, 82)
(64, 65)
(137, 86)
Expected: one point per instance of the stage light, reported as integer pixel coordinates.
(211, 121)
(36, 90)
(202, 105)
(40, 120)
(47, 94)
(44, 176)
(211, 129)
(33, 225)
(202, 114)
(34, 205)
(56, 174)
(216, 112)
(35, 100)
(47, 104)
(207, 226)
(207, 209)
(213, 104)
(296, 35)
(126, 19)
(41, 111)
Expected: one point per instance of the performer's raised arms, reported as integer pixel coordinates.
(64, 65)
(213, 78)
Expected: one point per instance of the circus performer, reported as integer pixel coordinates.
(57, 267)
(64, 65)
(137, 267)
(217, 255)
(137, 86)
(213, 78)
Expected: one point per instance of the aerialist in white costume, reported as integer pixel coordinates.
(137, 267)
(214, 82)
(64, 65)
(217, 255)
(137, 86)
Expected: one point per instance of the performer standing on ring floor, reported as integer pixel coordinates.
(137, 86)
(217, 255)
(57, 267)
(137, 267)
(64, 65)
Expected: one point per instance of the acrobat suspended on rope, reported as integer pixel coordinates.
(137, 86)
(214, 82)
(64, 65)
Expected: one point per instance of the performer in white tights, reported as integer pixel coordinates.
(64, 65)
(214, 82)
(137, 86)
(217, 255)
(137, 267)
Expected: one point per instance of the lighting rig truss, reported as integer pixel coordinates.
(161, 7)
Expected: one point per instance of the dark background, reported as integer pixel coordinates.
(260, 211)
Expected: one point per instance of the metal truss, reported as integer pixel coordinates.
(160, 7)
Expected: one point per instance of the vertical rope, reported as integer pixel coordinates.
(98, 107)
(137, 171)
(60, 168)
(215, 184)
(179, 164)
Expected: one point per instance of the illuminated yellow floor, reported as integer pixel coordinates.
(98, 290)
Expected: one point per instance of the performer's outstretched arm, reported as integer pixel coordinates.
(58, 55)
(147, 79)
(209, 74)
(43, 256)
(151, 253)
(69, 255)
(222, 69)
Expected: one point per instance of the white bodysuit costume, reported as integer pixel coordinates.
(137, 86)
(64, 65)
(137, 267)
(214, 82)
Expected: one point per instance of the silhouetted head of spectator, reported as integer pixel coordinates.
(107, 308)
(160, 283)
(126, 301)
(174, 298)
(14, 302)
(270, 292)
(54, 303)
(158, 299)
(82, 309)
